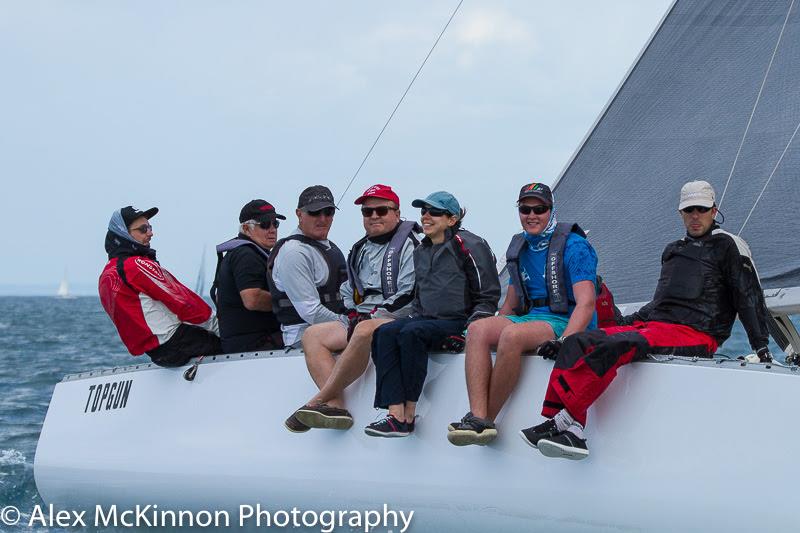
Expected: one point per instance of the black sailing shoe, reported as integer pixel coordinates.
(389, 427)
(471, 430)
(533, 435)
(294, 425)
(324, 416)
(566, 445)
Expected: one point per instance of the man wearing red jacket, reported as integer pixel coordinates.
(153, 312)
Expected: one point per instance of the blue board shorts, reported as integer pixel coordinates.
(557, 322)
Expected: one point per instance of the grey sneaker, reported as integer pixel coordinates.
(324, 416)
(471, 430)
(533, 435)
(566, 445)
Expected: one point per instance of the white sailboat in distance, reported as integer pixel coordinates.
(63, 289)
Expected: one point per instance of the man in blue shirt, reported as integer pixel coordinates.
(542, 304)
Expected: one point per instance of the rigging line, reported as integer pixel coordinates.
(758, 98)
(764, 188)
(363, 161)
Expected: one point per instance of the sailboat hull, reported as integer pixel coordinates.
(675, 445)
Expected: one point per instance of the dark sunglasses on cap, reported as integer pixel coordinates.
(699, 208)
(381, 210)
(144, 228)
(434, 212)
(537, 209)
(327, 211)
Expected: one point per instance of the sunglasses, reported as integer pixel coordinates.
(692, 208)
(381, 210)
(433, 211)
(537, 209)
(327, 211)
(269, 224)
(144, 228)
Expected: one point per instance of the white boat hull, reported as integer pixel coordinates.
(674, 446)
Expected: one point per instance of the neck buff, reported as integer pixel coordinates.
(542, 241)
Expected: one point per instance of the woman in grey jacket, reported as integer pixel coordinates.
(456, 284)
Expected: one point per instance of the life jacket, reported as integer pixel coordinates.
(329, 294)
(227, 246)
(389, 266)
(608, 314)
(557, 297)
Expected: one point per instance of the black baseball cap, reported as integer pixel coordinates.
(315, 198)
(258, 210)
(130, 213)
(536, 190)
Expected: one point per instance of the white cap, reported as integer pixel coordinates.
(697, 193)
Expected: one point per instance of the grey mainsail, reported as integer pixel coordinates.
(713, 96)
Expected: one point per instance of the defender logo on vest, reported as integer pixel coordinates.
(108, 396)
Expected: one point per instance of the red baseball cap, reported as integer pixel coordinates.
(379, 191)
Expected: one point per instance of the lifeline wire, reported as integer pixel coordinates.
(753, 112)
(401, 101)
(764, 188)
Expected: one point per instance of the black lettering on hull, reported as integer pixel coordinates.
(108, 396)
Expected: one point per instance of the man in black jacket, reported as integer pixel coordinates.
(240, 291)
(707, 278)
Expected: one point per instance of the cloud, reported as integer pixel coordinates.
(485, 27)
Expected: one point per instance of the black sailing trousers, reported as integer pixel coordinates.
(400, 352)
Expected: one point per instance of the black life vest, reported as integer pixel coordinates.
(557, 298)
(227, 246)
(329, 294)
(390, 264)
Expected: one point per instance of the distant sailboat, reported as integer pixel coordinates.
(63, 289)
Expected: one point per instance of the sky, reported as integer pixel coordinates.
(197, 107)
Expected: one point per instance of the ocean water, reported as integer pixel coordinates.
(41, 340)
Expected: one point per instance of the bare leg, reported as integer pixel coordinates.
(350, 364)
(514, 340)
(481, 336)
(319, 343)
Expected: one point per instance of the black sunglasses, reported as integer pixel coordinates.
(537, 209)
(327, 211)
(269, 223)
(144, 228)
(381, 210)
(699, 208)
(433, 211)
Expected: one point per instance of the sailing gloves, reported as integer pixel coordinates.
(549, 349)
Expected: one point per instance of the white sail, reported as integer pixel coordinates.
(63, 288)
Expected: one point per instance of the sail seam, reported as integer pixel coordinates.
(755, 106)
(764, 188)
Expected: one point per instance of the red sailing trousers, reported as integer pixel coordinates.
(588, 361)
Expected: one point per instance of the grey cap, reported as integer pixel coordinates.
(315, 198)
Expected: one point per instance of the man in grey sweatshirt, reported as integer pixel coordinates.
(305, 269)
